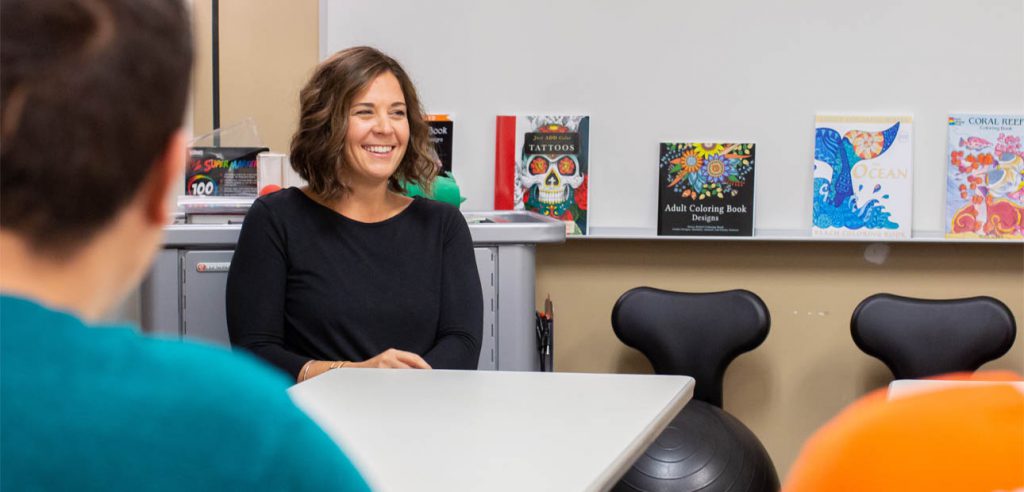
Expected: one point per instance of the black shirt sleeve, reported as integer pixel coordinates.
(255, 294)
(460, 330)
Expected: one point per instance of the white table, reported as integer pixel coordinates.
(901, 388)
(411, 430)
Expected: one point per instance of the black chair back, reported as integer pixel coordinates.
(918, 338)
(691, 334)
(704, 448)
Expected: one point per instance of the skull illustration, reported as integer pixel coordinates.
(553, 175)
(550, 162)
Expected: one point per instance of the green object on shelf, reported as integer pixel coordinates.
(445, 190)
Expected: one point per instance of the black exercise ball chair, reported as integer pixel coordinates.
(918, 338)
(697, 334)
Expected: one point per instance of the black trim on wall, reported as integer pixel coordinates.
(216, 63)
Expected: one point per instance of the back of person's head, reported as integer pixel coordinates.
(93, 90)
(318, 146)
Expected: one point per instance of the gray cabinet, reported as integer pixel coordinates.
(204, 276)
(183, 294)
(486, 265)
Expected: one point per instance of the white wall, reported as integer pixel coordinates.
(731, 70)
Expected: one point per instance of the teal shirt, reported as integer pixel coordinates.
(105, 408)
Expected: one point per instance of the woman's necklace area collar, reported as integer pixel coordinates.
(323, 204)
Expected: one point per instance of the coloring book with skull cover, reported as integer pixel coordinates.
(985, 184)
(542, 165)
(862, 177)
(706, 189)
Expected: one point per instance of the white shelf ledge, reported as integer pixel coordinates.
(792, 235)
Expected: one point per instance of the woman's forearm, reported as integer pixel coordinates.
(315, 368)
(388, 359)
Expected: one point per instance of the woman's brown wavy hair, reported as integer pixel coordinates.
(318, 151)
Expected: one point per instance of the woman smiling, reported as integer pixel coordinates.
(348, 272)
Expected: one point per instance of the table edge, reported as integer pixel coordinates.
(618, 467)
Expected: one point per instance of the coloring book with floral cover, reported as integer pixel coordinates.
(706, 189)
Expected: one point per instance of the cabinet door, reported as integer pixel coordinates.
(204, 279)
(485, 264)
(160, 293)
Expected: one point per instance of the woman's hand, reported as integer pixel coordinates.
(393, 359)
(388, 359)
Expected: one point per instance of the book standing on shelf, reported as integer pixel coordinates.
(442, 130)
(706, 189)
(542, 165)
(985, 177)
(862, 177)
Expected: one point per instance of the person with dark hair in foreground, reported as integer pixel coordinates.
(348, 272)
(93, 96)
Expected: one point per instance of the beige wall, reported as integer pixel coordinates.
(809, 367)
(803, 374)
(268, 49)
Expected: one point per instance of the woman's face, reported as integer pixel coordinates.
(378, 131)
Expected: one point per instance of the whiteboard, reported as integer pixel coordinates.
(729, 70)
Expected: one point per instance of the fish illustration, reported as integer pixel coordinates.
(975, 143)
(1003, 180)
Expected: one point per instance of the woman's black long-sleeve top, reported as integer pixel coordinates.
(308, 283)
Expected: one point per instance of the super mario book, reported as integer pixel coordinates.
(862, 177)
(541, 164)
(985, 177)
(706, 189)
